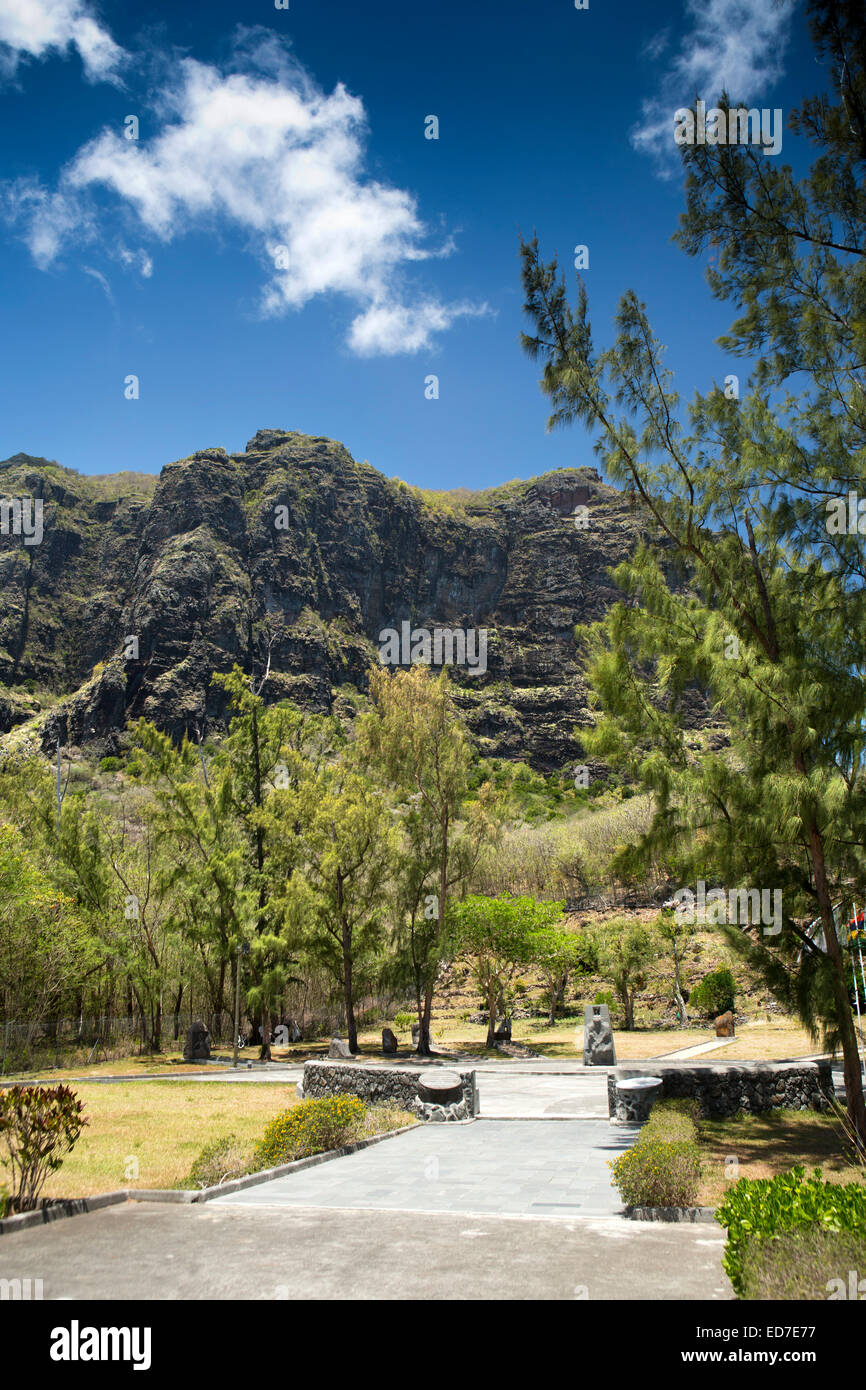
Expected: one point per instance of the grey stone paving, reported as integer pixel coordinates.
(515, 1095)
(535, 1168)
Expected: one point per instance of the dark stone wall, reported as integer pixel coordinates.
(379, 1085)
(724, 1090)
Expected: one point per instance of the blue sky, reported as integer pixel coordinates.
(281, 247)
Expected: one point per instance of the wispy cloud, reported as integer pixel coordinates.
(261, 149)
(38, 28)
(733, 45)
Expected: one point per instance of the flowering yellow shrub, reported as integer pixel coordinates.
(310, 1128)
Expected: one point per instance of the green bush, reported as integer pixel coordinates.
(676, 1105)
(716, 993)
(110, 765)
(663, 1166)
(657, 1172)
(403, 1021)
(312, 1127)
(219, 1161)
(605, 996)
(39, 1126)
(757, 1209)
(807, 1263)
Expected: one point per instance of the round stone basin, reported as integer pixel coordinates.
(635, 1097)
(440, 1087)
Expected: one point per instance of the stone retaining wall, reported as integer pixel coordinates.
(724, 1089)
(377, 1085)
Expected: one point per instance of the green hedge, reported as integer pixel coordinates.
(759, 1209)
(809, 1262)
(663, 1166)
(312, 1127)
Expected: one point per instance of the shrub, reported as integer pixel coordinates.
(39, 1126)
(605, 996)
(110, 765)
(686, 1106)
(310, 1128)
(218, 1162)
(663, 1166)
(403, 1021)
(757, 1209)
(657, 1172)
(715, 994)
(804, 1263)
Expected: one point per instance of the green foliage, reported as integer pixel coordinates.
(111, 765)
(624, 949)
(716, 993)
(664, 1111)
(809, 1262)
(39, 1125)
(745, 587)
(605, 996)
(499, 935)
(663, 1166)
(403, 1021)
(757, 1209)
(219, 1161)
(312, 1127)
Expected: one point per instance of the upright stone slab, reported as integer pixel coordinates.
(339, 1051)
(598, 1048)
(197, 1048)
(389, 1042)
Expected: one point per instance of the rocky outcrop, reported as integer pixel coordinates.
(141, 589)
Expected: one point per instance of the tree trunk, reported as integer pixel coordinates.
(847, 1031)
(155, 1043)
(351, 1026)
(424, 1049)
(492, 993)
(178, 1000)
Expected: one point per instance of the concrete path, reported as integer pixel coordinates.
(215, 1251)
(683, 1053)
(537, 1168)
(536, 1094)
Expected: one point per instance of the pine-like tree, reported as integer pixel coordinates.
(745, 586)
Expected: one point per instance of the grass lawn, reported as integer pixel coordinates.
(770, 1143)
(162, 1124)
(758, 1040)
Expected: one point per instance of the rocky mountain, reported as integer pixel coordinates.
(140, 588)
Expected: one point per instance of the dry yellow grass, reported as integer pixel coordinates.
(161, 1125)
(774, 1142)
(757, 1040)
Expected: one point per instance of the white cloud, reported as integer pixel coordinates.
(266, 153)
(732, 45)
(101, 281)
(390, 328)
(36, 28)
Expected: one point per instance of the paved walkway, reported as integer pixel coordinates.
(538, 1168)
(219, 1251)
(543, 1093)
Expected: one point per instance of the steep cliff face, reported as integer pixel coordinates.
(293, 550)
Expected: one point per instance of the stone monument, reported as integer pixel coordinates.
(197, 1048)
(598, 1048)
(389, 1042)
